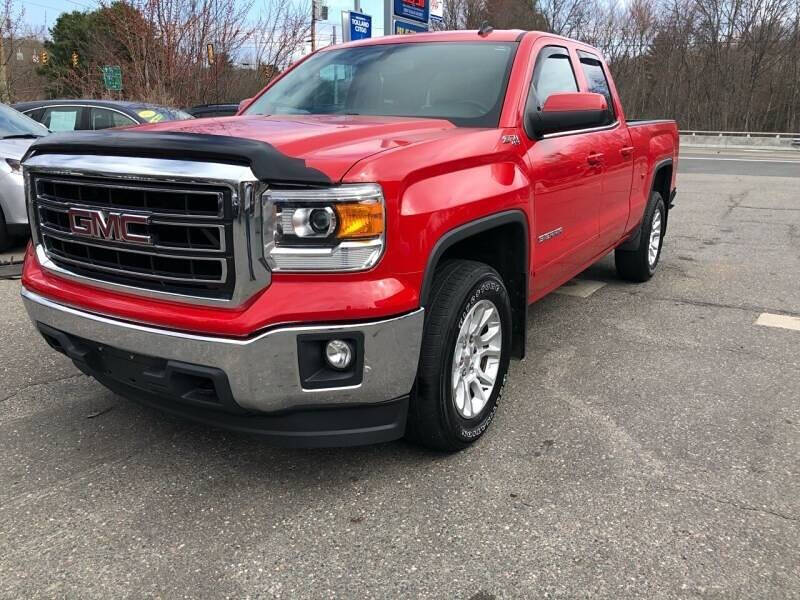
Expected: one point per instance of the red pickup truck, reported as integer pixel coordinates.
(351, 258)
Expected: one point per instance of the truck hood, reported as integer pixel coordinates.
(329, 143)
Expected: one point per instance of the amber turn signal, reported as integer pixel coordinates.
(359, 219)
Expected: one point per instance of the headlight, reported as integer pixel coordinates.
(339, 228)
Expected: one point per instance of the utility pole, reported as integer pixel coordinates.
(216, 39)
(3, 81)
(313, 24)
(4, 95)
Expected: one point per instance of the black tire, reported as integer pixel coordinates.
(635, 265)
(5, 239)
(433, 419)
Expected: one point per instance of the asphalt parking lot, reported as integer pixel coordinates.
(648, 447)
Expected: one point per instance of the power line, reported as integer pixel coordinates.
(51, 7)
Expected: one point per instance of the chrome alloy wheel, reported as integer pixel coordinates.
(655, 238)
(476, 358)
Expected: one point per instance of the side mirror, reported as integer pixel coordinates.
(567, 112)
(243, 103)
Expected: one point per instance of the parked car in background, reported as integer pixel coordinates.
(17, 133)
(213, 110)
(77, 115)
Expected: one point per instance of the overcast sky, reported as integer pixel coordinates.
(39, 13)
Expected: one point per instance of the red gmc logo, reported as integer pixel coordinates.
(105, 225)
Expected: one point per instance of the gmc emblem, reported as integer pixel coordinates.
(107, 225)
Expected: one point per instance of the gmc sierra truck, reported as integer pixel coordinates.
(350, 259)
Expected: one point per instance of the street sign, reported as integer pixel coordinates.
(416, 10)
(406, 27)
(320, 11)
(112, 78)
(356, 26)
(437, 11)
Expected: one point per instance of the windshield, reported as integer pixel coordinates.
(463, 82)
(14, 123)
(156, 114)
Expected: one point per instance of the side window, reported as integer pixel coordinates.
(62, 118)
(596, 78)
(102, 118)
(35, 114)
(552, 73)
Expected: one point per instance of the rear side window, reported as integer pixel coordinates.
(102, 118)
(62, 118)
(596, 78)
(552, 74)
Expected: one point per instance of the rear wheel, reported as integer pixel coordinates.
(464, 359)
(640, 264)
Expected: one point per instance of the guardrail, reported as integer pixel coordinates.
(782, 138)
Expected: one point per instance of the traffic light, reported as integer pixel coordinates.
(210, 53)
(74, 59)
(43, 58)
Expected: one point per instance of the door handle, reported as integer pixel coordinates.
(626, 152)
(595, 159)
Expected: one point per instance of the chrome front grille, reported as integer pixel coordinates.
(158, 199)
(188, 247)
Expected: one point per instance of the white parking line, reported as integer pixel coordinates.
(769, 160)
(580, 288)
(782, 321)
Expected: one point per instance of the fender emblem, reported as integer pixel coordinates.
(512, 139)
(550, 234)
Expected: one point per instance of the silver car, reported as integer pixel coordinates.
(17, 133)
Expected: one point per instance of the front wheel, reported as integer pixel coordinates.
(466, 346)
(640, 264)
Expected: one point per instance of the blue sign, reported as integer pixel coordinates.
(416, 10)
(360, 26)
(405, 27)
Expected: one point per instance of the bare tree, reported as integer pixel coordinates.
(712, 64)
(16, 42)
(164, 46)
(279, 35)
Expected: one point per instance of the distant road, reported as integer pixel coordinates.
(724, 161)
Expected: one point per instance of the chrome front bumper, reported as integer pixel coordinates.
(263, 371)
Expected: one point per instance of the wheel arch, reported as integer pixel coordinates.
(660, 181)
(502, 242)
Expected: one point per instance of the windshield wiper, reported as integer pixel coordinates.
(20, 136)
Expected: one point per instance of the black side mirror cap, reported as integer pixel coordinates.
(539, 123)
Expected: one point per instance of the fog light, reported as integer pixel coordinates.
(339, 354)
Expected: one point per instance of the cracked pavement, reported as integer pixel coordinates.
(648, 447)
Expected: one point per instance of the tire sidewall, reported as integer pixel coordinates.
(488, 287)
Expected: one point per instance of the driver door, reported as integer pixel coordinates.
(566, 180)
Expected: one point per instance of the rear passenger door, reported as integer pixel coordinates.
(104, 118)
(566, 181)
(614, 144)
(64, 118)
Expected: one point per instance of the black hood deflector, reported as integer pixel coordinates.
(266, 161)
